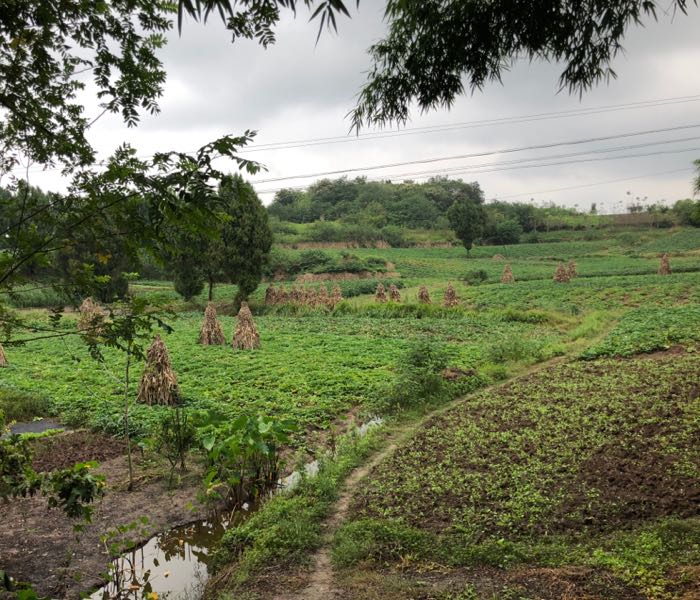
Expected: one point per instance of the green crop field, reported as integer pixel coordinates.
(552, 449)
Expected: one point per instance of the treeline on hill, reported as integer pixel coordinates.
(370, 212)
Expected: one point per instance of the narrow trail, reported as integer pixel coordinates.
(320, 584)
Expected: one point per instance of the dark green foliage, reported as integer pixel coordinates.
(419, 374)
(467, 218)
(688, 211)
(20, 405)
(188, 278)
(236, 251)
(475, 277)
(17, 478)
(75, 489)
(507, 232)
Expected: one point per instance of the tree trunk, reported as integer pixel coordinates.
(211, 290)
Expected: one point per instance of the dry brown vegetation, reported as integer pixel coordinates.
(507, 276)
(92, 316)
(664, 265)
(246, 336)
(380, 294)
(571, 269)
(158, 383)
(423, 295)
(450, 299)
(561, 275)
(394, 294)
(3, 358)
(211, 333)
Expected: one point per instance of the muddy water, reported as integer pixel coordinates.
(174, 564)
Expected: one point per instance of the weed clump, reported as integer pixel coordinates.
(211, 333)
(450, 298)
(664, 265)
(380, 294)
(92, 316)
(394, 293)
(561, 275)
(507, 276)
(246, 336)
(158, 383)
(423, 295)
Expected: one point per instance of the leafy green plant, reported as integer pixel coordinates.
(243, 456)
(75, 489)
(420, 374)
(175, 437)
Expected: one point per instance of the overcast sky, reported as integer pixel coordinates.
(297, 90)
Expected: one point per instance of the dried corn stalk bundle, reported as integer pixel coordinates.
(394, 293)
(92, 317)
(562, 274)
(271, 295)
(296, 295)
(246, 336)
(450, 298)
(310, 297)
(507, 276)
(664, 266)
(380, 294)
(211, 333)
(323, 298)
(498, 257)
(423, 295)
(336, 297)
(158, 383)
(3, 358)
(571, 268)
(282, 295)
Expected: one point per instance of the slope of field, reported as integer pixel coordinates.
(587, 464)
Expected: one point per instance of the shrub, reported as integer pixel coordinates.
(420, 374)
(475, 277)
(380, 541)
(22, 406)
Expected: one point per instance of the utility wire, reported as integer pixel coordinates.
(477, 154)
(291, 144)
(470, 124)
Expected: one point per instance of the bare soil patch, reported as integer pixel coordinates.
(38, 545)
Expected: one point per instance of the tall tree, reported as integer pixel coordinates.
(467, 218)
(236, 251)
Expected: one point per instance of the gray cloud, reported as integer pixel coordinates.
(299, 90)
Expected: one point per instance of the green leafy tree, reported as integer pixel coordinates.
(246, 236)
(468, 219)
(508, 232)
(696, 183)
(236, 250)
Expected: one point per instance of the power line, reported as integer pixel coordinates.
(472, 124)
(585, 185)
(497, 168)
(291, 144)
(478, 154)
